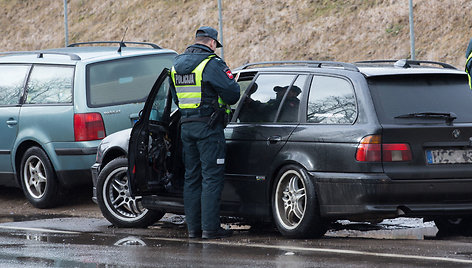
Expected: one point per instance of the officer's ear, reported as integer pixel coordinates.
(213, 44)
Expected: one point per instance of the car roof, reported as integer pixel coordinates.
(71, 55)
(367, 68)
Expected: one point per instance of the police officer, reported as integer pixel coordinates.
(468, 63)
(202, 84)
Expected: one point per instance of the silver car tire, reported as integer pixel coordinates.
(295, 206)
(115, 201)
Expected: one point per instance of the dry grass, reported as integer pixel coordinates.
(254, 30)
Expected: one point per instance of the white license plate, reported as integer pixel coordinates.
(449, 156)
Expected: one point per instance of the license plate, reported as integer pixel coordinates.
(449, 156)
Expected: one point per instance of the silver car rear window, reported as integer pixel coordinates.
(127, 80)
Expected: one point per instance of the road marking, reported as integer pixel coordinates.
(37, 230)
(323, 250)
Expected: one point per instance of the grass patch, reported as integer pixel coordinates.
(394, 29)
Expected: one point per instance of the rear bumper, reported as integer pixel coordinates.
(74, 170)
(72, 161)
(366, 196)
(71, 178)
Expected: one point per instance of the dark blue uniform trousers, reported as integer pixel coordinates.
(204, 154)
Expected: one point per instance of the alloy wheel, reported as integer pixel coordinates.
(34, 175)
(290, 199)
(118, 198)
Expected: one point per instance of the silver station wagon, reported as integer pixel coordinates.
(57, 104)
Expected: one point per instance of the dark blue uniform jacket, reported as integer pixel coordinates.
(216, 80)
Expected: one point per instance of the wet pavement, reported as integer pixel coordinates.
(92, 242)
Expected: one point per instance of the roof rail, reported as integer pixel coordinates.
(405, 63)
(316, 64)
(122, 44)
(40, 54)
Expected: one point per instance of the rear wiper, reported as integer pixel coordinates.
(431, 115)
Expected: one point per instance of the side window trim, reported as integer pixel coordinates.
(25, 84)
(305, 97)
(311, 81)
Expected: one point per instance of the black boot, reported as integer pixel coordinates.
(219, 233)
(195, 234)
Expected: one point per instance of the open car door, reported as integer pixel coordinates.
(149, 144)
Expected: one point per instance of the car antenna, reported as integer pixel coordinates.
(122, 44)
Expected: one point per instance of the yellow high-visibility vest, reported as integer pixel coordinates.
(189, 86)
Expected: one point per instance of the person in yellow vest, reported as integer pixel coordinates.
(468, 63)
(202, 84)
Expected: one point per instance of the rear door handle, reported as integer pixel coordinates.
(274, 139)
(12, 121)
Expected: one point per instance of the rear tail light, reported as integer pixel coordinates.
(88, 127)
(371, 149)
(394, 152)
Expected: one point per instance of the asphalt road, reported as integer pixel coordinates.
(75, 235)
(91, 242)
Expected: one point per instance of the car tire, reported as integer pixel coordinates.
(115, 201)
(295, 206)
(454, 225)
(38, 179)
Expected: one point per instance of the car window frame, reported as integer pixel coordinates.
(303, 96)
(87, 79)
(275, 122)
(25, 81)
(305, 104)
(385, 118)
(25, 93)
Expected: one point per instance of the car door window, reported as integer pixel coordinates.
(50, 84)
(159, 103)
(263, 99)
(331, 101)
(291, 102)
(12, 79)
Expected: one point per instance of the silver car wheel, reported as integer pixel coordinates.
(290, 199)
(118, 199)
(34, 175)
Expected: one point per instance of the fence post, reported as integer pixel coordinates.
(412, 32)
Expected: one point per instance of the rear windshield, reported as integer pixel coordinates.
(401, 95)
(127, 80)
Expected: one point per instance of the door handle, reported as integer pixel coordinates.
(12, 122)
(274, 139)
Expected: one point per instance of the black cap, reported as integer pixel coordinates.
(293, 88)
(208, 32)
